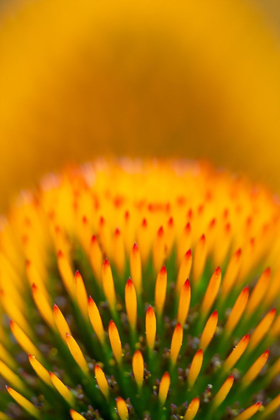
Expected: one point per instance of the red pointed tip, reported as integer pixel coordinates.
(246, 337)
(55, 308)
(144, 223)
(238, 252)
(34, 287)
(273, 311)
(215, 314)
(187, 284)
(188, 254)
(200, 351)
(259, 404)
(218, 271)
(93, 238)
(246, 290)
(267, 271)
(96, 367)
(126, 215)
(60, 254)
(11, 323)
(112, 324)
(51, 374)
(202, 238)
(129, 283)
(106, 263)
(228, 227)
(170, 222)
(266, 353)
(188, 227)
(7, 387)
(160, 231)
(166, 375)
(27, 263)
(231, 377)
(117, 232)
(77, 274)
(67, 335)
(135, 247)
(101, 221)
(178, 326)
(196, 399)
(163, 271)
(212, 223)
(90, 300)
(84, 220)
(150, 311)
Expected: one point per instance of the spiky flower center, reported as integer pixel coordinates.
(141, 290)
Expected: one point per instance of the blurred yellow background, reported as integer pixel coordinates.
(196, 79)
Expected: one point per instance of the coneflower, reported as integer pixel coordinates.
(141, 290)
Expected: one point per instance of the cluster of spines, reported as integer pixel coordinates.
(160, 248)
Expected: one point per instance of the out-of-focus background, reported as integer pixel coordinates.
(178, 79)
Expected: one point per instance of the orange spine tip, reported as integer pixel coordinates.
(236, 353)
(61, 323)
(192, 409)
(76, 353)
(184, 270)
(135, 267)
(209, 330)
(43, 306)
(81, 294)
(40, 370)
(164, 388)
(258, 292)
(62, 389)
(223, 392)
(159, 250)
(151, 325)
(119, 251)
(262, 329)
(211, 292)
(184, 243)
(247, 414)
(231, 273)
(176, 343)
(195, 368)
(11, 377)
(160, 290)
(138, 368)
(24, 342)
(237, 310)
(75, 415)
(184, 302)
(96, 320)
(122, 409)
(95, 257)
(255, 369)
(108, 285)
(131, 304)
(199, 259)
(24, 403)
(115, 341)
(101, 381)
(275, 330)
(271, 407)
(66, 274)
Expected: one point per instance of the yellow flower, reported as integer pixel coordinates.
(80, 79)
(141, 290)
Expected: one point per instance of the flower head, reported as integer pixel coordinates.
(141, 290)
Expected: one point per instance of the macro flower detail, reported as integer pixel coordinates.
(141, 290)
